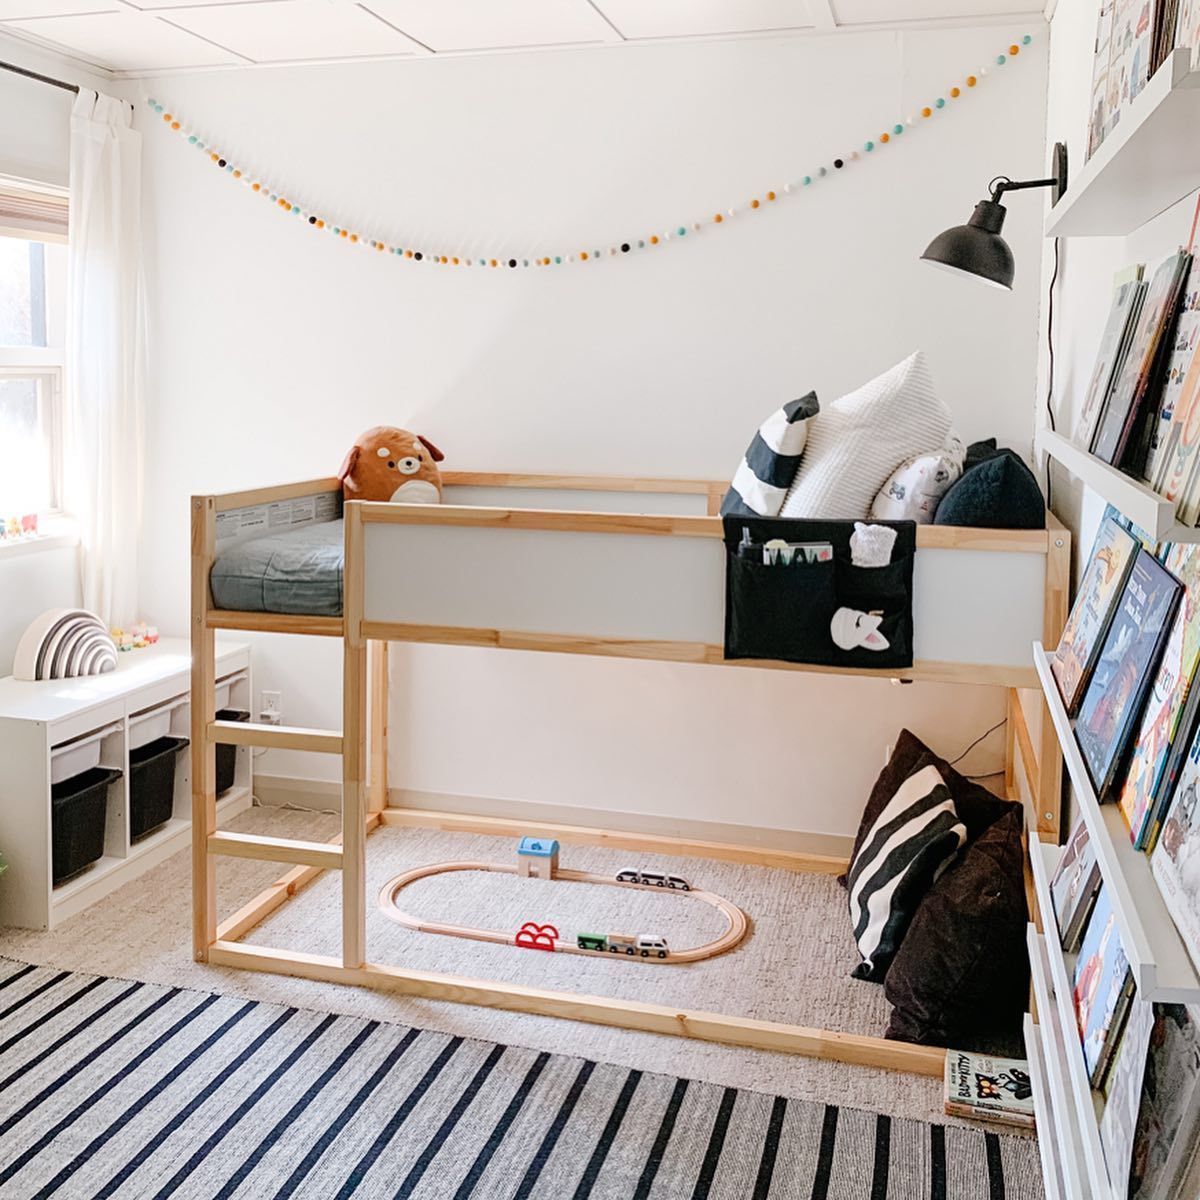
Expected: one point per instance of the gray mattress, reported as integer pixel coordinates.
(297, 571)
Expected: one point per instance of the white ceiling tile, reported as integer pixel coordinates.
(897, 12)
(127, 40)
(12, 10)
(681, 18)
(490, 24)
(282, 30)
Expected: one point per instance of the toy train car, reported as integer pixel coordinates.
(653, 879)
(645, 944)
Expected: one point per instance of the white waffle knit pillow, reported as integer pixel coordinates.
(857, 441)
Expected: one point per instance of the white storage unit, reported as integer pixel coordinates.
(55, 729)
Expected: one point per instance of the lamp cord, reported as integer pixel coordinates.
(1050, 361)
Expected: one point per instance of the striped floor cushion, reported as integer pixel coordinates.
(911, 842)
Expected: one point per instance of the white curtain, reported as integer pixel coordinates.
(103, 423)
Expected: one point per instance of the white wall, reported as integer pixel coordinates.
(273, 347)
(35, 144)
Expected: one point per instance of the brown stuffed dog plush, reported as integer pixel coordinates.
(392, 464)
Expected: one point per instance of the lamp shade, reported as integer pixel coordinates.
(976, 248)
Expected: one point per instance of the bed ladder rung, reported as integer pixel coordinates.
(271, 849)
(276, 737)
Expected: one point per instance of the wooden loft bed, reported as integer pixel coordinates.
(573, 564)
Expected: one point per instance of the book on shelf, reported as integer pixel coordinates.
(1128, 58)
(1103, 580)
(1168, 695)
(983, 1087)
(1102, 988)
(1122, 1096)
(1102, 50)
(1128, 294)
(1120, 431)
(1168, 1117)
(1129, 654)
(1175, 859)
(1074, 886)
(1166, 14)
(1176, 473)
(1187, 27)
(1180, 350)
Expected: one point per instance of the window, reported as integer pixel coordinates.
(33, 272)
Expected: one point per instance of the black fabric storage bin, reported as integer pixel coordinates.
(226, 754)
(152, 784)
(786, 612)
(77, 810)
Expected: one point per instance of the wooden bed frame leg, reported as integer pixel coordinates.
(378, 667)
(203, 752)
(1058, 596)
(354, 734)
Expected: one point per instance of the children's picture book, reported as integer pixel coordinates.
(1103, 987)
(1102, 51)
(1133, 385)
(1169, 1108)
(1114, 345)
(1182, 349)
(1129, 655)
(1118, 1123)
(1168, 694)
(1112, 556)
(986, 1088)
(1175, 861)
(1122, 43)
(1187, 27)
(1074, 886)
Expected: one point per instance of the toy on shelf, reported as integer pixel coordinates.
(653, 879)
(64, 643)
(134, 639)
(537, 858)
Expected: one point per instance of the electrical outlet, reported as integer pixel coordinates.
(272, 708)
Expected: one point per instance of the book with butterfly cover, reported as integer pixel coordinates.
(1168, 696)
(1129, 655)
(1125, 413)
(983, 1087)
(1103, 580)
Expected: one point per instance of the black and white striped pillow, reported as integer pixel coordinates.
(771, 462)
(912, 841)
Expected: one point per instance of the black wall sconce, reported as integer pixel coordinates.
(977, 248)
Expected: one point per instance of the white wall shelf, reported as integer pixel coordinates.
(1143, 166)
(1148, 510)
(1076, 1108)
(1161, 966)
(147, 694)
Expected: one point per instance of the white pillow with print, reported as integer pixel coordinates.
(915, 488)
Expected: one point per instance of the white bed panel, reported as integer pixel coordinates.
(970, 606)
(668, 504)
(977, 606)
(611, 585)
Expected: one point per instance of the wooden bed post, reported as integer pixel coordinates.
(203, 752)
(1058, 596)
(354, 734)
(378, 668)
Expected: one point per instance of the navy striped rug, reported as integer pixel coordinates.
(132, 1090)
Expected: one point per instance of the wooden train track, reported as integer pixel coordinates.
(738, 923)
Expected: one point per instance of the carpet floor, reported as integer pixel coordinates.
(116, 1088)
(794, 966)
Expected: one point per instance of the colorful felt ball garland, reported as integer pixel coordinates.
(343, 232)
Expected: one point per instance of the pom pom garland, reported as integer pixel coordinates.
(316, 221)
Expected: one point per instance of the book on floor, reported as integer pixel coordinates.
(1102, 987)
(1118, 1122)
(983, 1087)
(1169, 1108)
(1074, 886)
(1180, 351)
(1168, 695)
(1128, 295)
(1129, 654)
(1175, 861)
(1103, 579)
(1117, 437)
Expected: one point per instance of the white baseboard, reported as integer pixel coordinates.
(324, 794)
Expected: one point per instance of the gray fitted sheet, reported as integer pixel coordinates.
(297, 571)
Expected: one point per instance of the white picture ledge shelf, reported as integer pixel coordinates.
(1161, 966)
(1149, 511)
(1141, 168)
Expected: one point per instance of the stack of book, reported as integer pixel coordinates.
(1133, 39)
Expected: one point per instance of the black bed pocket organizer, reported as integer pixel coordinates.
(819, 607)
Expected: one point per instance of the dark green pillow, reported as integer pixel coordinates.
(998, 493)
